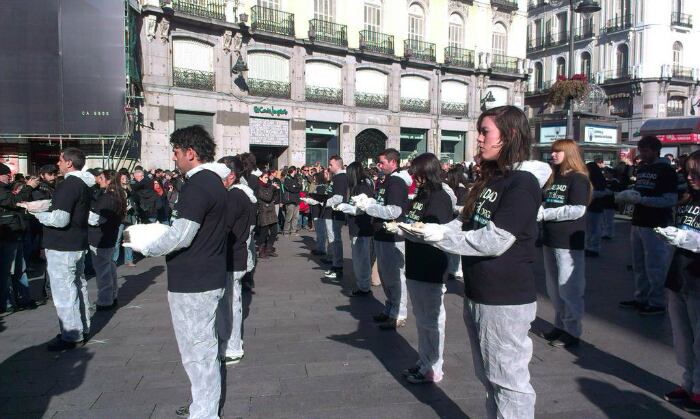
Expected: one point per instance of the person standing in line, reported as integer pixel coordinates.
(496, 237)
(337, 192)
(567, 193)
(317, 197)
(425, 269)
(654, 196)
(290, 199)
(250, 180)
(267, 216)
(147, 200)
(65, 238)
(391, 205)
(129, 219)
(195, 249)
(360, 229)
(594, 212)
(106, 214)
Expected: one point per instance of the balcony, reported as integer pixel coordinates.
(556, 39)
(505, 5)
(674, 112)
(371, 100)
(682, 73)
(681, 19)
(410, 104)
(459, 57)
(541, 89)
(618, 23)
(269, 88)
(212, 9)
(584, 32)
(324, 95)
(328, 32)
(616, 75)
(193, 79)
(264, 19)
(454, 109)
(421, 50)
(535, 44)
(377, 42)
(504, 64)
(535, 4)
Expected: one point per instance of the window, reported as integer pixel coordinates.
(415, 87)
(373, 17)
(561, 67)
(416, 21)
(562, 27)
(193, 55)
(677, 54)
(538, 76)
(456, 31)
(454, 92)
(324, 10)
(371, 81)
(586, 64)
(267, 66)
(674, 106)
(499, 39)
(622, 59)
(270, 4)
(322, 74)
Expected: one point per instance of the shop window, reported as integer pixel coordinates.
(321, 142)
(452, 147)
(413, 143)
(620, 107)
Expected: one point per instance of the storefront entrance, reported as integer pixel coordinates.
(368, 144)
(268, 157)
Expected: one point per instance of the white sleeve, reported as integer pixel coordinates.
(95, 219)
(664, 201)
(691, 241)
(564, 213)
(486, 241)
(55, 218)
(385, 212)
(178, 236)
(334, 200)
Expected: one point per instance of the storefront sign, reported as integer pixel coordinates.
(680, 138)
(270, 110)
(269, 132)
(549, 134)
(600, 134)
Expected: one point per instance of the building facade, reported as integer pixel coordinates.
(297, 81)
(637, 51)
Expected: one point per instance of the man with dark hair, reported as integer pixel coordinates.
(65, 238)
(290, 199)
(195, 249)
(337, 192)
(654, 196)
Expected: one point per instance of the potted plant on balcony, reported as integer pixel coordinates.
(564, 89)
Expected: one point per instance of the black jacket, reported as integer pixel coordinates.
(12, 222)
(292, 187)
(147, 200)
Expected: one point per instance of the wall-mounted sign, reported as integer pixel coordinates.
(680, 138)
(600, 134)
(549, 134)
(269, 132)
(269, 110)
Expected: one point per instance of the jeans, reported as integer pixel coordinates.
(593, 227)
(684, 313)
(291, 215)
(229, 317)
(194, 319)
(650, 261)
(566, 283)
(320, 234)
(128, 253)
(609, 223)
(501, 351)
(392, 271)
(429, 309)
(69, 292)
(362, 261)
(106, 275)
(13, 274)
(335, 241)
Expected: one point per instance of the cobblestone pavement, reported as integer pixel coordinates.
(311, 351)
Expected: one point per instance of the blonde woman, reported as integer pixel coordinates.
(567, 193)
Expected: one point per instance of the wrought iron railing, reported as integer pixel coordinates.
(584, 31)
(324, 95)
(459, 57)
(504, 63)
(556, 39)
(419, 49)
(541, 89)
(674, 112)
(617, 74)
(332, 33)
(269, 88)
(214, 9)
(618, 23)
(508, 5)
(377, 42)
(534, 44)
(193, 79)
(682, 73)
(454, 108)
(410, 104)
(681, 19)
(371, 100)
(272, 20)
(534, 4)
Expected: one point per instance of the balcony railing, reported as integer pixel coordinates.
(377, 42)
(541, 89)
(506, 5)
(409, 104)
(682, 73)
(329, 32)
(534, 44)
(421, 50)
(618, 23)
(556, 39)
(584, 31)
(616, 75)
(269, 88)
(213, 9)
(504, 63)
(534, 4)
(459, 57)
(193, 79)
(681, 19)
(270, 20)
(324, 95)
(674, 112)
(371, 100)
(454, 108)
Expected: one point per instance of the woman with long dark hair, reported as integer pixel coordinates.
(106, 215)
(496, 237)
(567, 193)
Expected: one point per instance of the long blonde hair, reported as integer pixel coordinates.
(572, 163)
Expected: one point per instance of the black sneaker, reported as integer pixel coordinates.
(317, 253)
(565, 341)
(333, 273)
(183, 412)
(409, 371)
(648, 310)
(110, 307)
(591, 253)
(392, 324)
(380, 318)
(677, 395)
(631, 304)
(361, 293)
(552, 334)
(58, 345)
(232, 360)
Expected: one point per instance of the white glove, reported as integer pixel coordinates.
(671, 235)
(139, 236)
(391, 227)
(363, 204)
(358, 198)
(36, 206)
(540, 214)
(434, 232)
(629, 196)
(347, 209)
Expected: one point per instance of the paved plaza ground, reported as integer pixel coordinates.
(313, 352)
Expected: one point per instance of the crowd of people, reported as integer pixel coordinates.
(412, 228)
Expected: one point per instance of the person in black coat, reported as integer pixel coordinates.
(147, 200)
(267, 215)
(290, 199)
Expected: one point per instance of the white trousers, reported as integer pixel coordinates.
(229, 317)
(66, 271)
(392, 271)
(105, 274)
(429, 309)
(566, 284)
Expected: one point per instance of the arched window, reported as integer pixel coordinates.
(270, 4)
(456, 31)
(371, 88)
(416, 22)
(677, 54)
(499, 39)
(415, 87)
(193, 64)
(539, 71)
(561, 67)
(454, 97)
(586, 64)
(323, 82)
(622, 60)
(268, 66)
